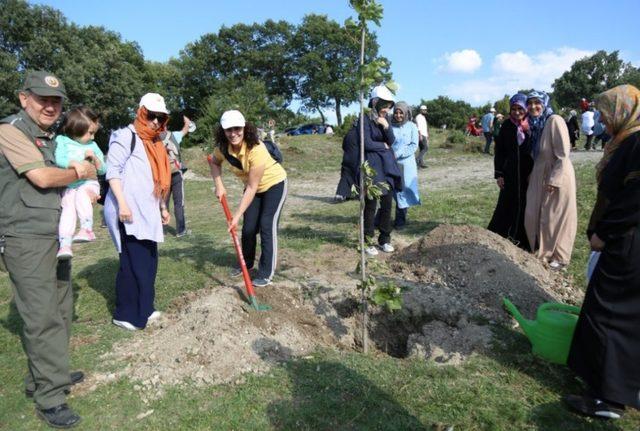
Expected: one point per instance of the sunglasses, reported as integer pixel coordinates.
(157, 115)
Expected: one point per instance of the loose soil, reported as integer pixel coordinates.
(455, 278)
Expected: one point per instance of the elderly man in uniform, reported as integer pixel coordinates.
(30, 194)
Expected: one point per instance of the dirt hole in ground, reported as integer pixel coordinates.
(456, 277)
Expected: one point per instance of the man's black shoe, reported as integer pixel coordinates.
(74, 376)
(594, 407)
(59, 417)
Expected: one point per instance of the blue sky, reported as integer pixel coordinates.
(475, 51)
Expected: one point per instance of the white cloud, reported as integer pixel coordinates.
(512, 62)
(465, 61)
(517, 70)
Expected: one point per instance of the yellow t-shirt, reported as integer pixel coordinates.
(274, 173)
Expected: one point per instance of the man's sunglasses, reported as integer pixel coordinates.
(160, 116)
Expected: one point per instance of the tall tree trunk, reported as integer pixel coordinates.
(338, 113)
(363, 192)
(321, 115)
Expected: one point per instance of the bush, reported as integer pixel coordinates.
(473, 146)
(456, 137)
(347, 123)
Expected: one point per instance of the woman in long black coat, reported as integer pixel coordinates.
(513, 164)
(605, 352)
(349, 166)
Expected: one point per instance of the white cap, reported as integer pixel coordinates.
(232, 119)
(382, 92)
(492, 110)
(423, 107)
(154, 102)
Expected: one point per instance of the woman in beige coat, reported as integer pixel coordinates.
(550, 217)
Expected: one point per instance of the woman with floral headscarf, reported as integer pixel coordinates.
(134, 210)
(551, 216)
(513, 164)
(605, 352)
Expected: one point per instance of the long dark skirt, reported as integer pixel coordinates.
(605, 351)
(508, 217)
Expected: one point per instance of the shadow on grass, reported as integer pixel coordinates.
(514, 352)
(328, 395)
(315, 235)
(101, 277)
(418, 227)
(330, 219)
(325, 199)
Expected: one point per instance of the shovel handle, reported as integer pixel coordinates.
(236, 243)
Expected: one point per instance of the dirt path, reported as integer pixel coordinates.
(455, 172)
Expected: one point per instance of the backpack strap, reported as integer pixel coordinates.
(133, 141)
(233, 161)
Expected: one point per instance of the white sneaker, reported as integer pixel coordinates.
(125, 325)
(371, 251)
(155, 315)
(387, 248)
(555, 265)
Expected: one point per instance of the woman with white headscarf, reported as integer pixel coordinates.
(378, 139)
(551, 216)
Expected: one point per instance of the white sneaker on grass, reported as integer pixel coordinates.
(371, 250)
(155, 315)
(387, 248)
(125, 325)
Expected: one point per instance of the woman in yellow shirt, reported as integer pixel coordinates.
(265, 190)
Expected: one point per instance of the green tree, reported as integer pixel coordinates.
(326, 55)
(443, 110)
(591, 76)
(239, 52)
(96, 66)
(502, 105)
(248, 96)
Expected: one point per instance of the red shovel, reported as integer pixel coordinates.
(245, 273)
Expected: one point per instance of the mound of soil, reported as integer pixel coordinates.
(216, 337)
(458, 276)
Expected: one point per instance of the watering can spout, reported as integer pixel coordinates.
(526, 325)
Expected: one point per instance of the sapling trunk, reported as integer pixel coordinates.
(363, 193)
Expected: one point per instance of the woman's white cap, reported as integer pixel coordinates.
(232, 119)
(382, 92)
(154, 102)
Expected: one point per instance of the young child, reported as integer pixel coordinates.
(73, 145)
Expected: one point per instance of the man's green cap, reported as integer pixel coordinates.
(44, 84)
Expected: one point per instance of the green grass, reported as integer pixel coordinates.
(505, 389)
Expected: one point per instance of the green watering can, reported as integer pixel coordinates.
(552, 331)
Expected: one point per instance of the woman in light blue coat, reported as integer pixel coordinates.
(404, 148)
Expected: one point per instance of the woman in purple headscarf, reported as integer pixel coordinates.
(551, 216)
(513, 164)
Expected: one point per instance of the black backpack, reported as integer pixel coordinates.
(272, 148)
(102, 179)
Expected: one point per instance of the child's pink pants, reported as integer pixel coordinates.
(76, 203)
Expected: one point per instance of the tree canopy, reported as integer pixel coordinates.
(591, 76)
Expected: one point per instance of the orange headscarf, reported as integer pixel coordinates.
(156, 153)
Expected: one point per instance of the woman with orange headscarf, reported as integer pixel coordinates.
(605, 352)
(139, 180)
